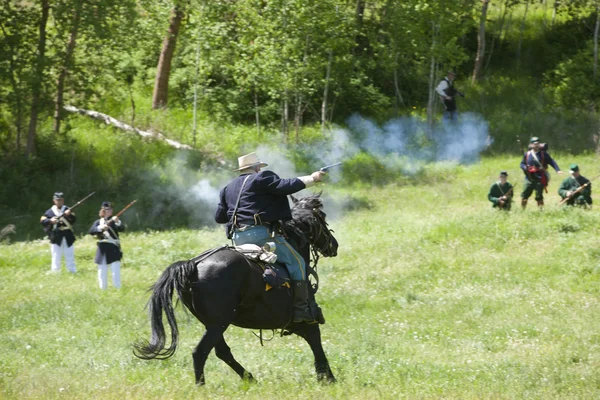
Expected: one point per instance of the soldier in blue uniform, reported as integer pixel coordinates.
(106, 230)
(60, 233)
(253, 205)
(535, 167)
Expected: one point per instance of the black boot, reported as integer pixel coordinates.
(301, 309)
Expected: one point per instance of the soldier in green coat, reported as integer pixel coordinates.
(501, 192)
(570, 185)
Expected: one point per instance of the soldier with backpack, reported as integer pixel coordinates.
(535, 167)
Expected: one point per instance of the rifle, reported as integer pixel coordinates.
(508, 195)
(58, 217)
(125, 209)
(326, 168)
(578, 190)
(523, 154)
(115, 216)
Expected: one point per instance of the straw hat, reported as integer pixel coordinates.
(248, 161)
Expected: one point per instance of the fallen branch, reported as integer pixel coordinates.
(108, 120)
(7, 230)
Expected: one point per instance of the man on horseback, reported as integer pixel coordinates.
(254, 206)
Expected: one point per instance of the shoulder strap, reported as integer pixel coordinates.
(237, 203)
(500, 187)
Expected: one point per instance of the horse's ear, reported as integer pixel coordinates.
(294, 200)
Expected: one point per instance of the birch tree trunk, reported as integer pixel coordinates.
(257, 112)
(37, 81)
(399, 98)
(431, 98)
(554, 11)
(163, 72)
(480, 42)
(60, 83)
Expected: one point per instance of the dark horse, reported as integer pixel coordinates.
(221, 288)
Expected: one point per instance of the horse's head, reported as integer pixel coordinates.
(308, 217)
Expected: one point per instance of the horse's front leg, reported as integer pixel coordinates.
(312, 334)
(212, 336)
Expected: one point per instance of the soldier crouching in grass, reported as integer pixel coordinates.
(576, 189)
(501, 192)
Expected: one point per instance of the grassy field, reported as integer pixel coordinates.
(433, 295)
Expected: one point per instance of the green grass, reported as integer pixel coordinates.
(433, 295)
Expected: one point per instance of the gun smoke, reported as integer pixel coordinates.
(403, 144)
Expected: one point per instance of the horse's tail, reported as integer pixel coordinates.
(175, 277)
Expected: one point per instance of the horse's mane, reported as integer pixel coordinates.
(303, 217)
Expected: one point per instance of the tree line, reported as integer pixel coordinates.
(279, 63)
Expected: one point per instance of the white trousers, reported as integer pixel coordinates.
(57, 251)
(103, 274)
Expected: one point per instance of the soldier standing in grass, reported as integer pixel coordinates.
(501, 192)
(58, 223)
(535, 167)
(253, 205)
(447, 92)
(571, 184)
(108, 253)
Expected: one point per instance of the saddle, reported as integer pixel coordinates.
(262, 257)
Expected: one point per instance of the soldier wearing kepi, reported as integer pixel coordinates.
(501, 192)
(253, 206)
(58, 223)
(535, 167)
(576, 189)
(106, 230)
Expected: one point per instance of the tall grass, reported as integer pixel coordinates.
(433, 294)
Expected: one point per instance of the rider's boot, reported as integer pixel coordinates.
(301, 308)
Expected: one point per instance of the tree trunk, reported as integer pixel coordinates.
(60, 83)
(16, 88)
(298, 115)
(37, 81)
(431, 98)
(554, 11)
(197, 72)
(257, 112)
(521, 34)
(326, 92)
(480, 42)
(498, 35)
(399, 98)
(285, 114)
(163, 71)
(596, 29)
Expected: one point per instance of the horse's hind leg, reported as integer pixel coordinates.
(223, 351)
(312, 334)
(212, 336)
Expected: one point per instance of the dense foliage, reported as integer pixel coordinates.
(235, 75)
